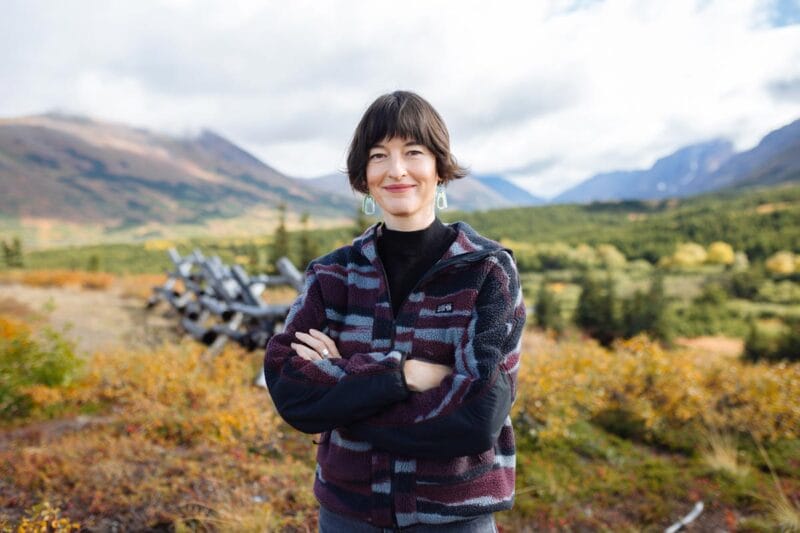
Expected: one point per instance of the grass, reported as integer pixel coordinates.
(608, 440)
(721, 454)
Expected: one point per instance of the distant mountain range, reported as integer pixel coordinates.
(73, 169)
(78, 170)
(698, 169)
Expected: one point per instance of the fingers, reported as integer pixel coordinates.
(305, 352)
(317, 343)
(327, 341)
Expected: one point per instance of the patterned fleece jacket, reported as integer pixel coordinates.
(389, 456)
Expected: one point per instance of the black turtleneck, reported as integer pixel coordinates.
(407, 255)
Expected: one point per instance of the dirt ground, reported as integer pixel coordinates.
(107, 319)
(715, 345)
(94, 319)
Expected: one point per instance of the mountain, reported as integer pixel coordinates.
(79, 170)
(336, 183)
(776, 159)
(697, 169)
(513, 193)
(471, 193)
(673, 175)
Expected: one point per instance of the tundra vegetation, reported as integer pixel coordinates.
(628, 409)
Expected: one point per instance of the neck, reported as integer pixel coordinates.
(412, 223)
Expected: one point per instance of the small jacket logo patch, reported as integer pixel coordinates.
(445, 308)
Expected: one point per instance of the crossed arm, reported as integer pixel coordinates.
(402, 405)
(419, 376)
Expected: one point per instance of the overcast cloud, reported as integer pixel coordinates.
(547, 92)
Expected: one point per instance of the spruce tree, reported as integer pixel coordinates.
(6, 253)
(309, 247)
(12, 253)
(547, 311)
(646, 312)
(596, 313)
(362, 222)
(280, 243)
(659, 326)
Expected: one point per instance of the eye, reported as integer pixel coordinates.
(375, 156)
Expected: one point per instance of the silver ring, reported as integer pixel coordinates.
(325, 352)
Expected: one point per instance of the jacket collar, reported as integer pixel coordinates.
(467, 242)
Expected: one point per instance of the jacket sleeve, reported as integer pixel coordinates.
(317, 396)
(464, 415)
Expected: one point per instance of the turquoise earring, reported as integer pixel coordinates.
(368, 204)
(441, 197)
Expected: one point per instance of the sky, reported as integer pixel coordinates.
(545, 92)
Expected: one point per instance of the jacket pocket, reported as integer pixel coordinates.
(341, 458)
(455, 470)
(452, 482)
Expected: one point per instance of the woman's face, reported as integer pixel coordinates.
(401, 176)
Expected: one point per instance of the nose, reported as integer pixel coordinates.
(397, 168)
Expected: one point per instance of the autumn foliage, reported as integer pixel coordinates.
(170, 439)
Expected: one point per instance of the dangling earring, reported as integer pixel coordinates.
(368, 204)
(441, 197)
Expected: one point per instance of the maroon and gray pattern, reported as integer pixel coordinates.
(388, 456)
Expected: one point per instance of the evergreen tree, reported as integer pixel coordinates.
(17, 245)
(596, 313)
(660, 327)
(635, 315)
(547, 311)
(647, 312)
(309, 246)
(93, 264)
(6, 253)
(280, 243)
(12, 253)
(362, 222)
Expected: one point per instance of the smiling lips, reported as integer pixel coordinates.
(398, 188)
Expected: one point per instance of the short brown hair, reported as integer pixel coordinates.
(406, 115)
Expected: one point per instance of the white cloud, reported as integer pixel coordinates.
(586, 86)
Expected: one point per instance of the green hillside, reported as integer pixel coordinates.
(758, 222)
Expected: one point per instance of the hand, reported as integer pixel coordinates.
(315, 346)
(422, 376)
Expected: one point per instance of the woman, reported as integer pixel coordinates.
(403, 348)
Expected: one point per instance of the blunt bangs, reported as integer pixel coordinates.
(406, 115)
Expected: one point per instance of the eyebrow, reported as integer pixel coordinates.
(409, 143)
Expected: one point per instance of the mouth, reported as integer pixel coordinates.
(398, 188)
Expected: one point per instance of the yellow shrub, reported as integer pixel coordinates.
(560, 384)
(720, 253)
(689, 254)
(158, 244)
(46, 518)
(64, 278)
(141, 285)
(173, 394)
(782, 262)
(10, 328)
(610, 256)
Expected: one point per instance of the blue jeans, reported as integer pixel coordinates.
(330, 522)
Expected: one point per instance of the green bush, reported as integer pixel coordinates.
(785, 346)
(779, 292)
(547, 311)
(746, 283)
(24, 361)
(646, 312)
(598, 309)
(708, 314)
